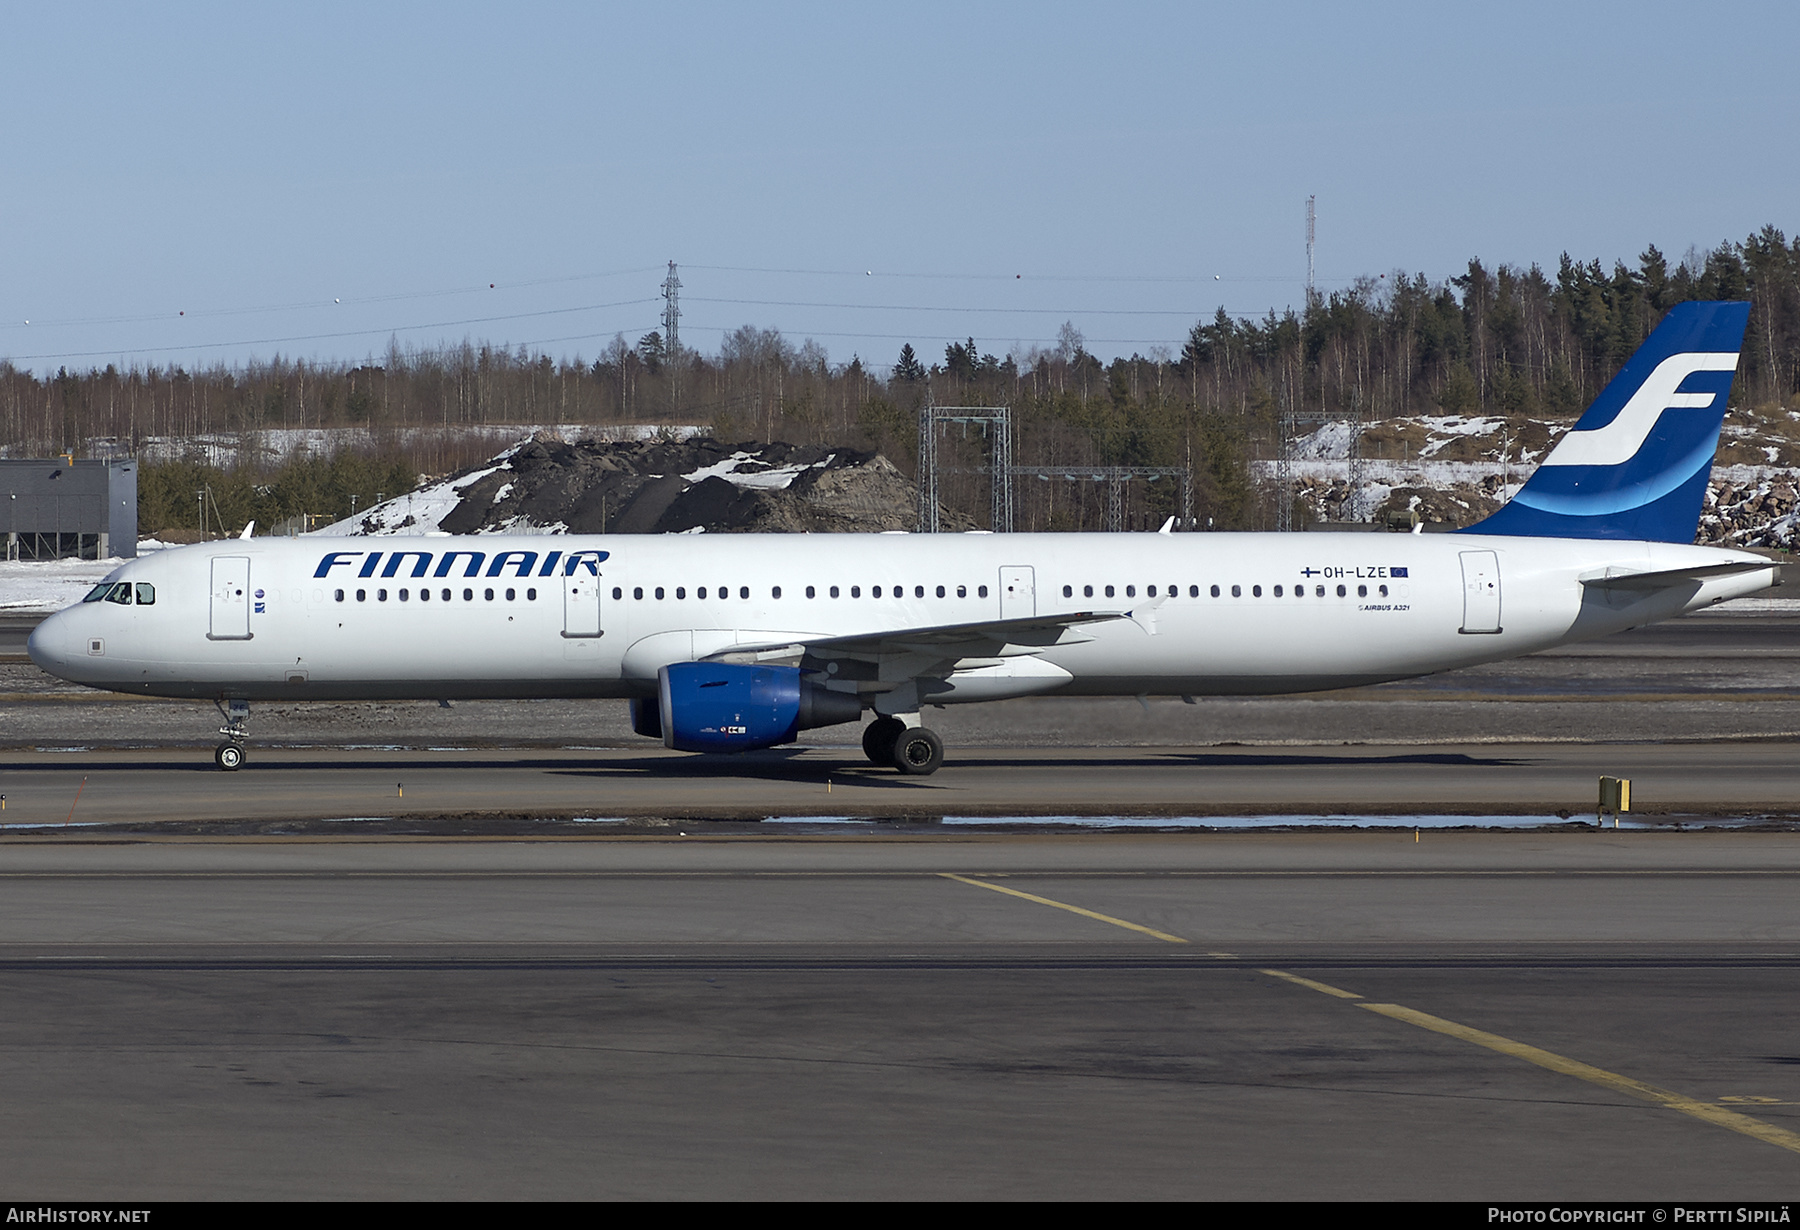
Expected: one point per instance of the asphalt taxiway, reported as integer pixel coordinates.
(1468, 1016)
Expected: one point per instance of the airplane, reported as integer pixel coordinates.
(728, 643)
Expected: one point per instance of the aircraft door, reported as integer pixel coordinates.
(1481, 592)
(1018, 592)
(581, 604)
(230, 599)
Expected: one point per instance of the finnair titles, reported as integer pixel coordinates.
(727, 643)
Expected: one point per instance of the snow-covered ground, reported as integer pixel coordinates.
(279, 444)
(32, 588)
(738, 470)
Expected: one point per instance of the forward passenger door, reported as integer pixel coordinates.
(230, 617)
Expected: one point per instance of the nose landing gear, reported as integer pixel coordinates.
(229, 755)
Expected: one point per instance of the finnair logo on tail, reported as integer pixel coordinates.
(1619, 441)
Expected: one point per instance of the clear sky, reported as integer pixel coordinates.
(196, 183)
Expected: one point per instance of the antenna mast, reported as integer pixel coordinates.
(1310, 219)
(671, 293)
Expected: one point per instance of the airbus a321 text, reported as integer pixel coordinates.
(726, 643)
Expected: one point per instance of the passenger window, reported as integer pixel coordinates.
(511, 594)
(1068, 591)
(1087, 591)
(637, 592)
(940, 591)
(1215, 591)
(468, 595)
(699, 593)
(962, 591)
(1318, 591)
(680, 592)
(856, 591)
(617, 593)
(1109, 591)
(1362, 591)
(1340, 591)
(659, 593)
(1384, 591)
(339, 594)
(775, 592)
(981, 591)
(146, 593)
(1237, 591)
(381, 595)
(918, 591)
(1149, 591)
(834, 591)
(424, 595)
(1256, 591)
(875, 592)
(362, 595)
(531, 595)
(1278, 591)
(404, 595)
(489, 594)
(1131, 591)
(811, 592)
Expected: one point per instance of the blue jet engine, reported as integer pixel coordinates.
(724, 707)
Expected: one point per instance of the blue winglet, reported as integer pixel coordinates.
(1636, 464)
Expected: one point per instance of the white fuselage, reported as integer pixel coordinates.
(1293, 613)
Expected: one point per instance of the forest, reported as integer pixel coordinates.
(1521, 343)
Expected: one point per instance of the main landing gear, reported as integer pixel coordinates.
(910, 749)
(229, 755)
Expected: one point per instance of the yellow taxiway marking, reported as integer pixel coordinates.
(1063, 905)
(1709, 1112)
(1718, 1115)
(1310, 985)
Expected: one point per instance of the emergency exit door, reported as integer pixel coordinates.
(581, 604)
(1018, 592)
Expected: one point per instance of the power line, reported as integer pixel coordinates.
(313, 337)
(915, 307)
(395, 297)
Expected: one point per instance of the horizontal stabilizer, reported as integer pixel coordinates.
(1670, 577)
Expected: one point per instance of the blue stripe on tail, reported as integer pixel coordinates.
(1635, 466)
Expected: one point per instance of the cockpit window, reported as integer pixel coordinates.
(98, 592)
(121, 593)
(146, 594)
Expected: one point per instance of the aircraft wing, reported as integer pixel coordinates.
(991, 638)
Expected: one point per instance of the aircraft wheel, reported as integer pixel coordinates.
(228, 756)
(878, 739)
(918, 751)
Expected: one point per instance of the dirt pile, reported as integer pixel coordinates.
(670, 487)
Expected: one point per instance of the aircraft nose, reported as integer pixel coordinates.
(47, 645)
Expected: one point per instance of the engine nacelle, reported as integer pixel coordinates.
(646, 716)
(724, 707)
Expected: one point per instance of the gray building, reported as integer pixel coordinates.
(56, 509)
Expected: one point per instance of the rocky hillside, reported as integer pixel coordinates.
(656, 487)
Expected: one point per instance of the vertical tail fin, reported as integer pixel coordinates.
(1636, 464)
